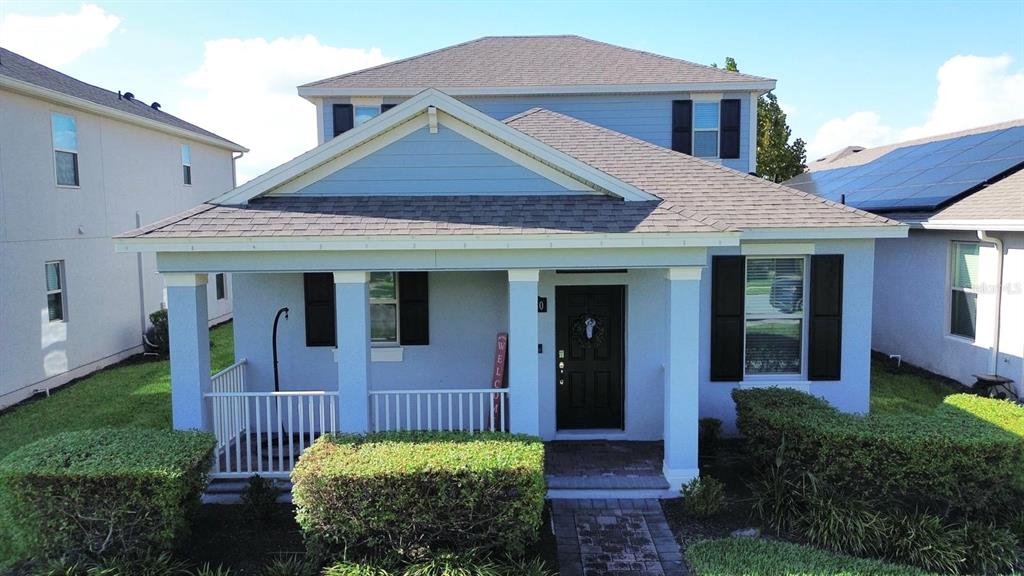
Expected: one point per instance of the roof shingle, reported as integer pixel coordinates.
(531, 61)
(17, 67)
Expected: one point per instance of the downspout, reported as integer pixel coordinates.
(142, 285)
(993, 362)
(234, 169)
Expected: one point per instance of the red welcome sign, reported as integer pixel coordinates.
(498, 378)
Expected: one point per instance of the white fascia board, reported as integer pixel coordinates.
(751, 86)
(33, 91)
(410, 110)
(828, 233)
(991, 225)
(454, 242)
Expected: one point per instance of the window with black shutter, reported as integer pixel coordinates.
(730, 129)
(343, 118)
(682, 126)
(727, 281)
(319, 293)
(398, 308)
(825, 339)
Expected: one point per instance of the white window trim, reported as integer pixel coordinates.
(951, 263)
(62, 291)
(398, 316)
(189, 164)
(794, 377)
(53, 144)
(718, 129)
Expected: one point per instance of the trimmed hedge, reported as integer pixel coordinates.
(403, 493)
(758, 557)
(96, 493)
(967, 458)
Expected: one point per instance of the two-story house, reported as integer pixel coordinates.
(77, 165)
(544, 235)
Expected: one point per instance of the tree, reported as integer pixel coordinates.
(778, 160)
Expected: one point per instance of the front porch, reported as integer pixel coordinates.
(620, 366)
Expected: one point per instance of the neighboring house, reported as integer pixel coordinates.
(938, 302)
(638, 286)
(78, 164)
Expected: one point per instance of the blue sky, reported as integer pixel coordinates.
(865, 72)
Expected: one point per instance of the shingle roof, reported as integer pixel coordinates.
(424, 215)
(707, 189)
(16, 66)
(529, 61)
(696, 196)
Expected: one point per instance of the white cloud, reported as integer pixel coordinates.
(246, 92)
(860, 129)
(972, 91)
(60, 39)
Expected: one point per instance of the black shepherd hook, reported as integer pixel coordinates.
(277, 383)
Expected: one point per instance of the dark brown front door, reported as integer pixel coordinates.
(589, 337)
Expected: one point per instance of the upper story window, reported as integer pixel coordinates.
(186, 164)
(963, 307)
(221, 286)
(774, 315)
(55, 302)
(705, 129)
(365, 113)
(65, 149)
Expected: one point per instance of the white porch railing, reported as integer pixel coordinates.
(264, 432)
(476, 410)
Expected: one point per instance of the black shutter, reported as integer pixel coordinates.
(319, 290)
(412, 306)
(729, 124)
(385, 107)
(343, 119)
(825, 349)
(727, 318)
(682, 126)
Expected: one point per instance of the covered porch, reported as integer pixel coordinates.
(359, 385)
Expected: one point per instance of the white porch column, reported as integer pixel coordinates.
(352, 323)
(681, 375)
(523, 360)
(189, 331)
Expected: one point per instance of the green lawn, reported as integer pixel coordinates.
(761, 557)
(906, 390)
(134, 394)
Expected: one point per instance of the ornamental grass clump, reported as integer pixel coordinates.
(103, 493)
(412, 495)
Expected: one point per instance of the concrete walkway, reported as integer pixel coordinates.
(614, 538)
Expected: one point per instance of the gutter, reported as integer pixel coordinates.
(234, 169)
(993, 363)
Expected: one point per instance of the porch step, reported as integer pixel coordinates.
(222, 491)
(603, 486)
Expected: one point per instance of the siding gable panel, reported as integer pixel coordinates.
(445, 163)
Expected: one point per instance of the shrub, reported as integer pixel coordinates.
(840, 523)
(732, 556)
(103, 492)
(703, 497)
(990, 549)
(709, 432)
(259, 498)
(925, 540)
(405, 493)
(968, 457)
(290, 565)
(158, 338)
(445, 564)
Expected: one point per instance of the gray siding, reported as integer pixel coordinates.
(427, 164)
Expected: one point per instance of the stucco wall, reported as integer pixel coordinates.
(467, 309)
(124, 170)
(911, 313)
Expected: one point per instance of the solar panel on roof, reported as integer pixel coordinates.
(922, 176)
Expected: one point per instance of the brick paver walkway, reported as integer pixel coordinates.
(614, 538)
